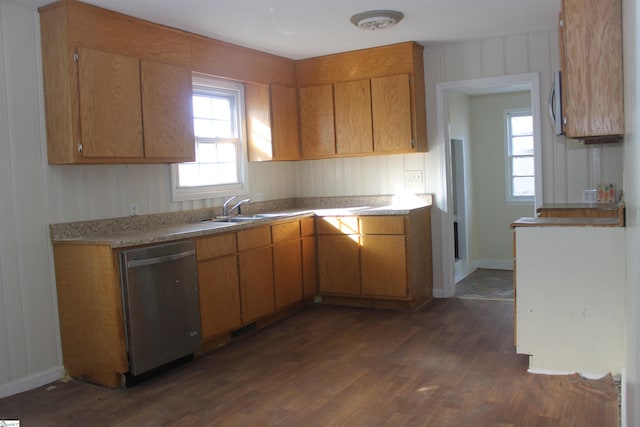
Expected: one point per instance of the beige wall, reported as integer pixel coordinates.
(492, 214)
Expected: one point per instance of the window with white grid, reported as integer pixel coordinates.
(520, 161)
(220, 166)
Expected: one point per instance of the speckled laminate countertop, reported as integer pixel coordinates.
(566, 222)
(158, 228)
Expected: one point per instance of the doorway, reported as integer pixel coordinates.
(451, 148)
(458, 178)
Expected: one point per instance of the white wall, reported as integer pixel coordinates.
(492, 215)
(568, 166)
(631, 387)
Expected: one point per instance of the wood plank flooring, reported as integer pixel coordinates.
(452, 363)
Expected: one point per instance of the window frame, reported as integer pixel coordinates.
(228, 88)
(510, 198)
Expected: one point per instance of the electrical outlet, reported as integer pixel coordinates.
(133, 209)
(258, 197)
(413, 177)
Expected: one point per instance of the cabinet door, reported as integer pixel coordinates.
(391, 108)
(309, 268)
(219, 295)
(287, 271)
(256, 283)
(339, 264)
(258, 108)
(316, 121)
(592, 74)
(354, 132)
(384, 266)
(110, 110)
(272, 122)
(284, 123)
(168, 112)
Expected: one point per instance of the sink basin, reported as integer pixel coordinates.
(237, 219)
(270, 215)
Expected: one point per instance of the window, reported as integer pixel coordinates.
(520, 163)
(220, 166)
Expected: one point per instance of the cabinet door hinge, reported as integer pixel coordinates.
(80, 147)
(75, 55)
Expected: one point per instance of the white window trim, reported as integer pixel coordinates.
(223, 190)
(515, 200)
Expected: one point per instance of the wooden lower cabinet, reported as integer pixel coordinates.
(380, 260)
(90, 312)
(219, 295)
(255, 268)
(339, 264)
(309, 259)
(287, 263)
(383, 264)
(287, 270)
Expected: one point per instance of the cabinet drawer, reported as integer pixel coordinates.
(307, 227)
(382, 225)
(215, 246)
(254, 238)
(285, 232)
(337, 225)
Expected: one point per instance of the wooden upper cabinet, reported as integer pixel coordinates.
(284, 122)
(168, 111)
(117, 89)
(379, 101)
(591, 64)
(392, 114)
(354, 129)
(317, 131)
(109, 99)
(272, 122)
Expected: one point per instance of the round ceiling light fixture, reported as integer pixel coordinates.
(376, 19)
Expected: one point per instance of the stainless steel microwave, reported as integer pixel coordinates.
(555, 103)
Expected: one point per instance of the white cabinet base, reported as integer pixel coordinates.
(570, 305)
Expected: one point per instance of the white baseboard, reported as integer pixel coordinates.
(438, 293)
(32, 381)
(496, 264)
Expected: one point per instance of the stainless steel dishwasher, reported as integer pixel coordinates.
(161, 308)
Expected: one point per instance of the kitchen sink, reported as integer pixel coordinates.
(237, 219)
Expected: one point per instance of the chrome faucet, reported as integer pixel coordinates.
(237, 205)
(225, 206)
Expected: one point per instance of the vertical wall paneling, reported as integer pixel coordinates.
(493, 57)
(454, 69)
(471, 59)
(516, 54)
(28, 332)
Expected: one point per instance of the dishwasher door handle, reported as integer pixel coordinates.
(159, 260)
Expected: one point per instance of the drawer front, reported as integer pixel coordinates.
(285, 232)
(215, 246)
(254, 238)
(382, 224)
(307, 227)
(337, 225)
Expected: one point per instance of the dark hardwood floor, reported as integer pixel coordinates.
(452, 363)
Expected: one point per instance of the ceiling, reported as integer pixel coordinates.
(305, 28)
